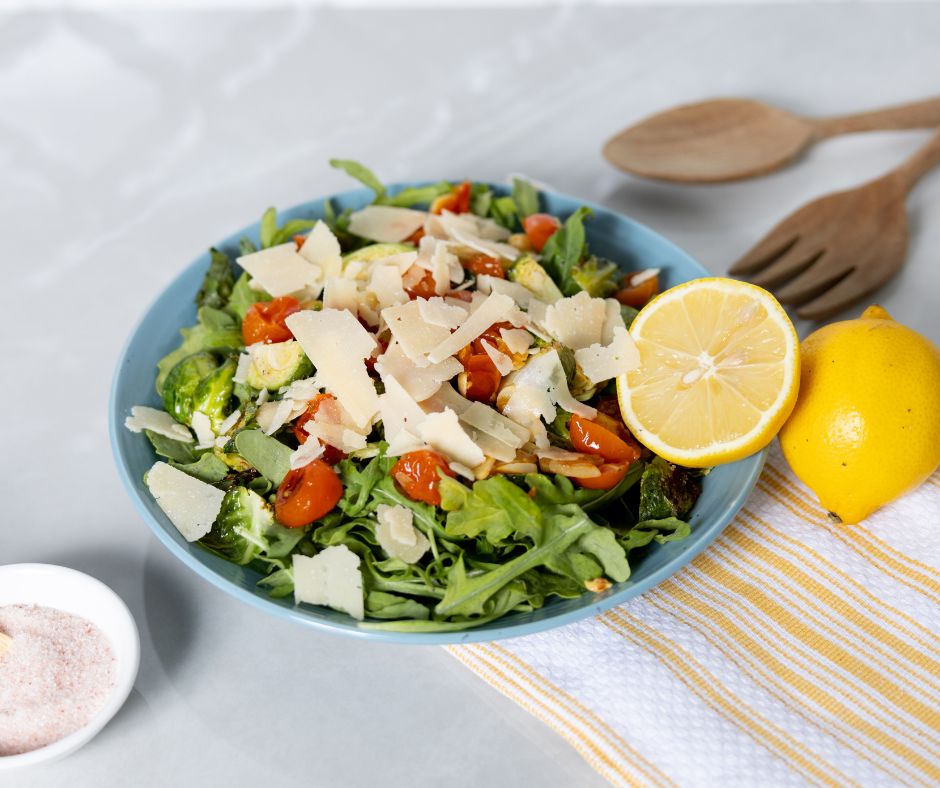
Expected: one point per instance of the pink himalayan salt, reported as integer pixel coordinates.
(57, 674)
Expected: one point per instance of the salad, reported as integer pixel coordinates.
(409, 412)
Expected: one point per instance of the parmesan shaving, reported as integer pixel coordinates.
(157, 421)
(603, 362)
(322, 249)
(492, 310)
(281, 270)
(501, 361)
(386, 223)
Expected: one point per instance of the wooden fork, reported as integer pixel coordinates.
(839, 248)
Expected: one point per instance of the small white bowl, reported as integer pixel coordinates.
(74, 592)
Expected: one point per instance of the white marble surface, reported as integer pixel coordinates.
(129, 141)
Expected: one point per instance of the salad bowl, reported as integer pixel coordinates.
(630, 244)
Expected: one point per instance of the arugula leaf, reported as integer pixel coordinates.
(417, 195)
(565, 249)
(246, 246)
(526, 197)
(467, 594)
(381, 604)
(268, 227)
(558, 490)
(280, 582)
(481, 198)
(268, 455)
(669, 529)
(667, 490)
(243, 296)
(495, 507)
(596, 552)
(173, 450)
(362, 174)
(503, 211)
(596, 276)
(628, 313)
(218, 282)
(359, 484)
(291, 228)
(208, 468)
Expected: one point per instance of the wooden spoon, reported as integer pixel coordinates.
(731, 139)
(839, 248)
(5, 642)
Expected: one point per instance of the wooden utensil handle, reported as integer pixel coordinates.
(916, 115)
(918, 165)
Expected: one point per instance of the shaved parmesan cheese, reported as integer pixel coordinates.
(471, 224)
(304, 389)
(419, 382)
(613, 318)
(446, 397)
(386, 223)
(202, 426)
(517, 340)
(241, 371)
(554, 453)
(355, 269)
(637, 279)
(492, 422)
(337, 435)
(603, 362)
(416, 337)
(322, 249)
(576, 321)
(307, 452)
(397, 535)
(462, 470)
(493, 310)
(157, 421)
(226, 426)
(281, 270)
(386, 285)
(493, 284)
(341, 293)
(398, 409)
(501, 361)
(438, 312)
(332, 578)
(263, 396)
(444, 433)
(405, 441)
(271, 416)
(338, 345)
(489, 248)
(190, 504)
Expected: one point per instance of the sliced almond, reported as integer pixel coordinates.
(597, 585)
(576, 469)
(519, 468)
(521, 242)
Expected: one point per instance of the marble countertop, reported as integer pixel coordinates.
(129, 141)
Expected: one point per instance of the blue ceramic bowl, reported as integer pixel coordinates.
(615, 237)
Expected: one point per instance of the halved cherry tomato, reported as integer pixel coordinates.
(461, 295)
(415, 237)
(331, 454)
(483, 378)
(591, 437)
(484, 264)
(540, 227)
(306, 494)
(417, 474)
(612, 474)
(264, 321)
(424, 288)
(457, 201)
(299, 240)
(637, 295)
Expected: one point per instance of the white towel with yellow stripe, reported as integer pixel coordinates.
(791, 652)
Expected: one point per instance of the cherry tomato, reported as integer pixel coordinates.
(484, 264)
(424, 288)
(457, 201)
(299, 240)
(264, 321)
(461, 295)
(540, 227)
(417, 474)
(306, 494)
(415, 237)
(483, 378)
(639, 295)
(592, 437)
(612, 474)
(331, 454)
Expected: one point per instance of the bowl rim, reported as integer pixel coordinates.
(122, 689)
(304, 616)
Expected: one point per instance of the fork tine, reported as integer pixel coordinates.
(796, 260)
(814, 281)
(843, 294)
(764, 252)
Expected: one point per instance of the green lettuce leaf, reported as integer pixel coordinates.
(495, 507)
(268, 455)
(208, 468)
(526, 198)
(243, 296)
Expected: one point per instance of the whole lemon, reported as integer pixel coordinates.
(866, 426)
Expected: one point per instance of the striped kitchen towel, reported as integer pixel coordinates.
(791, 651)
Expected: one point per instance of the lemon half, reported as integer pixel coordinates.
(719, 372)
